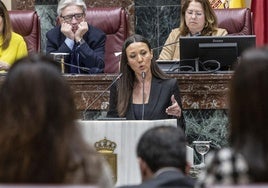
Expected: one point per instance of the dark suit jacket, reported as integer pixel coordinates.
(91, 53)
(165, 180)
(159, 100)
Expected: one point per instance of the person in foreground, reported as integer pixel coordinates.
(161, 153)
(246, 160)
(74, 36)
(197, 19)
(12, 45)
(144, 92)
(39, 138)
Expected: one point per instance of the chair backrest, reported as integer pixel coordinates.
(112, 21)
(237, 21)
(27, 24)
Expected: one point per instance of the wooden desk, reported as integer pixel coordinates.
(198, 91)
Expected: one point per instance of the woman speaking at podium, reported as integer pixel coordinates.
(144, 92)
(197, 19)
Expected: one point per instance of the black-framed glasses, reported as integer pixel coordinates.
(69, 18)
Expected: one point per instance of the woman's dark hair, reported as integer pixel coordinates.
(211, 22)
(39, 139)
(7, 29)
(249, 111)
(127, 80)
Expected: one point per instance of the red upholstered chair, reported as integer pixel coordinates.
(236, 21)
(112, 21)
(27, 24)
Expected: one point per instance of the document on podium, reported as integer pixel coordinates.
(125, 134)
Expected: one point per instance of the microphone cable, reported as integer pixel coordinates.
(206, 65)
(165, 45)
(106, 89)
(192, 69)
(76, 66)
(171, 67)
(61, 61)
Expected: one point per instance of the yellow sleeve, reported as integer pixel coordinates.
(17, 49)
(22, 50)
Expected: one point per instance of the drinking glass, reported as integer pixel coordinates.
(202, 147)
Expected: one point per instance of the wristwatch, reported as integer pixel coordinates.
(81, 41)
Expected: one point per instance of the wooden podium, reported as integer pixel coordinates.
(198, 91)
(126, 135)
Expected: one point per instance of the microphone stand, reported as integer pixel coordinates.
(59, 58)
(78, 67)
(143, 95)
(105, 90)
(166, 45)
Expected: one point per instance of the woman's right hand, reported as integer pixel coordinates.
(174, 109)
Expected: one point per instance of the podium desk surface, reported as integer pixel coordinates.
(198, 91)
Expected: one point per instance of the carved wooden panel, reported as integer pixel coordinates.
(198, 91)
(23, 4)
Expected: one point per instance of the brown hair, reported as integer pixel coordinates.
(249, 111)
(39, 139)
(211, 22)
(7, 29)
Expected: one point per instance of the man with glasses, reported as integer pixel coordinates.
(84, 43)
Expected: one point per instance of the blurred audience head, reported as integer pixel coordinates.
(39, 138)
(197, 16)
(249, 111)
(36, 92)
(160, 147)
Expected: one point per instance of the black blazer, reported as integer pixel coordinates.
(159, 100)
(165, 180)
(91, 53)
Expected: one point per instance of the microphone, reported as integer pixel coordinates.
(59, 58)
(143, 75)
(166, 45)
(75, 66)
(167, 65)
(119, 53)
(105, 90)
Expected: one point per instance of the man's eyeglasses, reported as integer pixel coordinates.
(69, 18)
